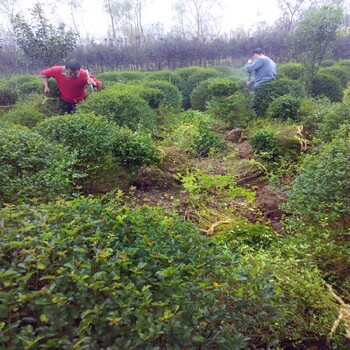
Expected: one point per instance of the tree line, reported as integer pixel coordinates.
(308, 35)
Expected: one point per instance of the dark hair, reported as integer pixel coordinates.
(73, 64)
(258, 51)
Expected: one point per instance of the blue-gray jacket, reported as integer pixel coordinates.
(264, 68)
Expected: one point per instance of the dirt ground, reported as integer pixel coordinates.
(161, 187)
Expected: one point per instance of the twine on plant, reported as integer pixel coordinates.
(343, 314)
(303, 142)
(210, 231)
(48, 98)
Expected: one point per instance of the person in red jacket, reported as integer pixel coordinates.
(71, 81)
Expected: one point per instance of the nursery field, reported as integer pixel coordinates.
(167, 214)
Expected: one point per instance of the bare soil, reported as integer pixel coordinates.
(161, 187)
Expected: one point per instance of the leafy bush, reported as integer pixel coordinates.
(120, 77)
(291, 70)
(231, 72)
(333, 118)
(284, 107)
(328, 63)
(31, 167)
(197, 118)
(164, 75)
(121, 106)
(311, 113)
(338, 71)
(172, 98)
(320, 192)
(324, 85)
(28, 116)
(8, 96)
(134, 149)
(152, 95)
(265, 143)
(198, 141)
(309, 308)
(91, 138)
(243, 232)
(344, 62)
(274, 142)
(25, 84)
(94, 273)
(190, 77)
(191, 131)
(206, 142)
(235, 110)
(268, 92)
(213, 87)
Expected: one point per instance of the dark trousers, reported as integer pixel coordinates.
(67, 107)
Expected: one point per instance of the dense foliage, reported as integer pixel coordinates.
(250, 249)
(102, 274)
(41, 41)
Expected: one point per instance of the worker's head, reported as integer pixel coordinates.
(257, 52)
(72, 68)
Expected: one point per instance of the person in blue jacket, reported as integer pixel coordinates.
(264, 70)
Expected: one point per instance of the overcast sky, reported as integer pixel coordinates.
(94, 21)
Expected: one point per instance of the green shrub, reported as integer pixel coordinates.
(192, 117)
(172, 98)
(190, 77)
(120, 77)
(338, 71)
(191, 131)
(284, 107)
(320, 194)
(28, 116)
(213, 87)
(309, 308)
(205, 142)
(328, 63)
(95, 273)
(243, 232)
(265, 143)
(324, 85)
(333, 118)
(345, 62)
(8, 96)
(197, 140)
(134, 149)
(235, 110)
(122, 106)
(231, 72)
(31, 167)
(274, 142)
(25, 84)
(152, 95)
(346, 96)
(164, 75)
(268, 92)
(291, 70)
(311, 113)
(91, 138)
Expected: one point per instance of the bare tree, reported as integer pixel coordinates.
(126, 19)
(74, 7)
(197, 17)
(9, 9)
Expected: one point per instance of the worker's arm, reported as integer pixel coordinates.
(46, 85)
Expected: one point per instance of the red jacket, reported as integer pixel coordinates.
(72, 89)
